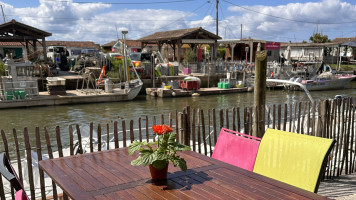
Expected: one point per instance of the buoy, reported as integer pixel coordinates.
(195, 94)
(173, 94)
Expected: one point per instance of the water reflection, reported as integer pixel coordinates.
(144, 105)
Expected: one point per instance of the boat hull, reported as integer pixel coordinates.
(336, 83)
(72, 97)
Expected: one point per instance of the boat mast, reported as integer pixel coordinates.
(125, 59)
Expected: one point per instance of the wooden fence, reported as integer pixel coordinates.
(195, 127)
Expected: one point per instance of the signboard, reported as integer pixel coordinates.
(273, 45)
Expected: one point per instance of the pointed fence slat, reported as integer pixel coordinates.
(39, 156)
(29, 163)
(6, 147)
(50, 156)
(334, 119)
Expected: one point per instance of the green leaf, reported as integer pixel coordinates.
(172, 138)
(182, 164)
(147, 158)
(135, 146)
(137, 162)
(182, 147)
(159, 164)
(160, 155)
(177, 161)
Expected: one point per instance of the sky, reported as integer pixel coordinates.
(102, 21)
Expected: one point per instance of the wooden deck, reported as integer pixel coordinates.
(160, 92)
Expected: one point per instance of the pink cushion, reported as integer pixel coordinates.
(239, 150)
(21, 195)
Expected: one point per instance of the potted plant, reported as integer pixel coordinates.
(158, 154)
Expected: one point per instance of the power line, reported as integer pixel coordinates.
(164, 26)
(124, 3)
(205, 14)
(287, 19)
(222, 13)
(91, 19)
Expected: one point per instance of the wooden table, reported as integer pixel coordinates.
(109, 175)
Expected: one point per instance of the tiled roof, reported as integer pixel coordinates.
(130, 43)
(79, 44)
(342, 40)
(176, 34)
(20, 27)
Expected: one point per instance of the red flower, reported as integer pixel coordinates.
(162, 129)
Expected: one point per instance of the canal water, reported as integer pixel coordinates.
(144, 105)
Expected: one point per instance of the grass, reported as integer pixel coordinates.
(344, 67)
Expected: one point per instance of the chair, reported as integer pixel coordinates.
(236, 149)
(9, 173)
(292, 158)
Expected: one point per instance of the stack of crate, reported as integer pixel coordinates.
(56, 86)
(224, 83)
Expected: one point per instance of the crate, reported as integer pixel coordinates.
(189, 85)
(223, 85)
(56, 81)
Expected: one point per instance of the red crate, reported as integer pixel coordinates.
(189, 85)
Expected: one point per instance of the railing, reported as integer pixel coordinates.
(195, 127)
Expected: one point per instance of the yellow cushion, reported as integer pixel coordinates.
(292, 158)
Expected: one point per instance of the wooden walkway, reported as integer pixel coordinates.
(340, 188)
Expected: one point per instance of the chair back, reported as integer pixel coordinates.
(236, 149)
(21, 195)
(9, 173)
(292, 158)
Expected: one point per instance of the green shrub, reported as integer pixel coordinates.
(189, 56)
(2, 68)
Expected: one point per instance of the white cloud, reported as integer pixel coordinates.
(328, 13)
(100, 22)
(95, 22)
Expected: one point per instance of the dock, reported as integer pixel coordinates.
(163, 93)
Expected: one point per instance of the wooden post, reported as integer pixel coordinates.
(180, 132)
(259, 91)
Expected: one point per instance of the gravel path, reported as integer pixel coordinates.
(341, 188)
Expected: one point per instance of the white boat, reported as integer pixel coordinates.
(323, 78)
(328, 82)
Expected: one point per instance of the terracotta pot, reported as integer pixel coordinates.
(158, 174)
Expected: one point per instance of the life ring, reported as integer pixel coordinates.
(271, 72)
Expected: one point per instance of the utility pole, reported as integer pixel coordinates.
(3, 14)
(217, 17)
(241, 33)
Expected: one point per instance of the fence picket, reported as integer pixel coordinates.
(39, 156)
(29, 163)
(50, 156)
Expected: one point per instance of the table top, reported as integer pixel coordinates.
(109, 175)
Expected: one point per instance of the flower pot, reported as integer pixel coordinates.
(157, 175)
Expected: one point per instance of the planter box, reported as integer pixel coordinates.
(187, 71)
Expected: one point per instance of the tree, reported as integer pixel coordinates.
(319, 38)
(189, 56)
